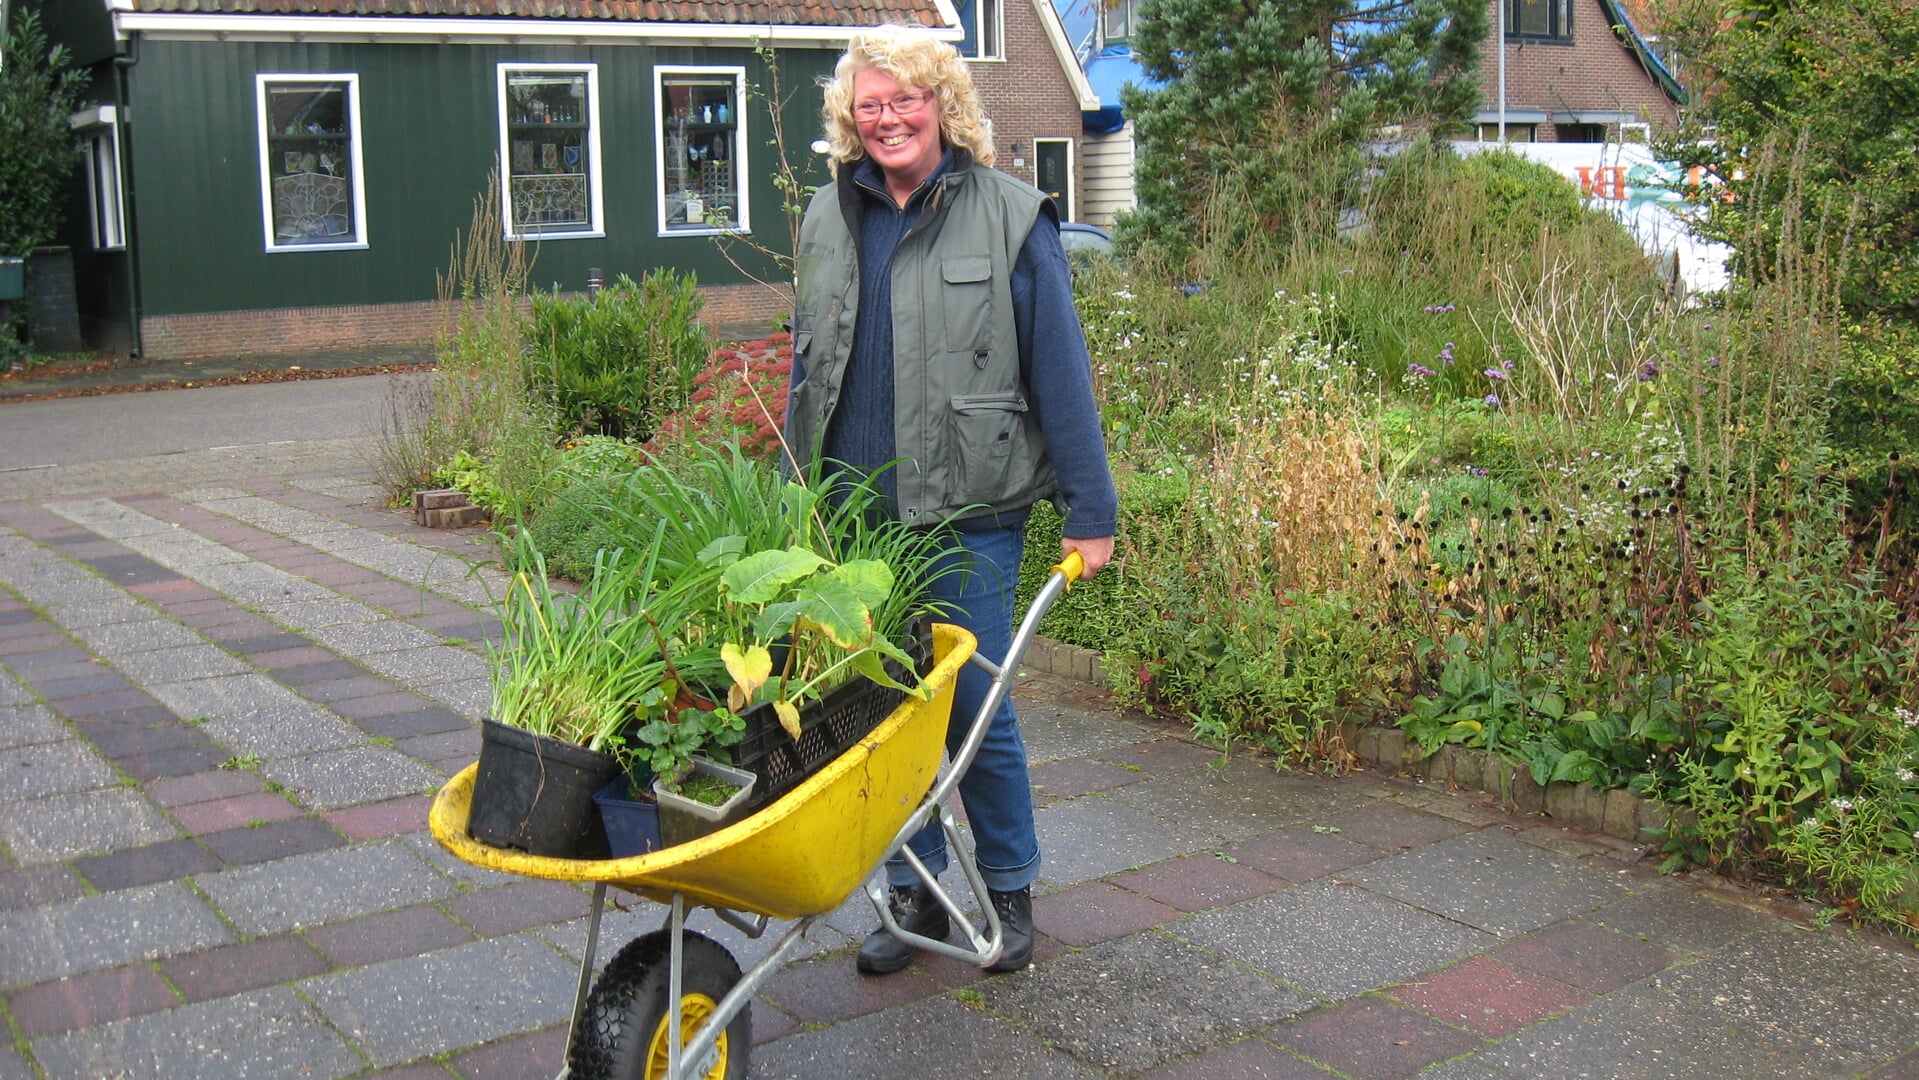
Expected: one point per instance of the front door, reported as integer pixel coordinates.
(1053, 173)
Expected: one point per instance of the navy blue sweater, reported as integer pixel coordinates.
(1054, 363)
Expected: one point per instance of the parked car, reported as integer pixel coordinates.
(1085, 242)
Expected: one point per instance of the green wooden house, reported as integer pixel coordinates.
(276, 175)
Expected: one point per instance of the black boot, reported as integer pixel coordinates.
(915, 909)
(1015, 910)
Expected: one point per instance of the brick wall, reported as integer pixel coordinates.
(1028, 96)
(737, 309)
(1596, 72)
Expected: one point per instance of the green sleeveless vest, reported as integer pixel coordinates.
(961, 421)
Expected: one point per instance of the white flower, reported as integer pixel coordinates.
(1842, 804)
(1905, 776)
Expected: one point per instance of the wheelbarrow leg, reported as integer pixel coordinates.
(586, 972)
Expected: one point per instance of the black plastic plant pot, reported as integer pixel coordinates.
(534, 794)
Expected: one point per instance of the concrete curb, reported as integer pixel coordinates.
(1621, 814)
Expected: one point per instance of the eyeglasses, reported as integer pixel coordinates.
(904, 105)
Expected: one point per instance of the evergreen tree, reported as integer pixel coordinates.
(1817, 111)
(38, 91)
(1267, 103)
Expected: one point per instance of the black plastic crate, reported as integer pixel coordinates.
(828, 727)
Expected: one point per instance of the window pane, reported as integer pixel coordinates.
(1532, 17)
(103, 188)
(701, 121)
(310, 164)
(549, 170)
(1118, 22)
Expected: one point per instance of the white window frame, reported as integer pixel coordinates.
(742, 172)
(984, 49)
(1066, 212)
(99, 129)
(596, 188)
(356, 144)
(1126, 11)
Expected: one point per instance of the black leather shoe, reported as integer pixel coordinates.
(915, 909)
(1015, 910)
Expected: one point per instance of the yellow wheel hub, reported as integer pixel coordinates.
(694, 1011)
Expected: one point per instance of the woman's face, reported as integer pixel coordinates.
(906, 148)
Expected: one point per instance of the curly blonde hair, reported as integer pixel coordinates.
(913, 57)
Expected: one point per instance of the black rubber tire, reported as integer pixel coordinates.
(626, 1013)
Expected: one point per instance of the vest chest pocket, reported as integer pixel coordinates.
(968, 303)
(992, 455)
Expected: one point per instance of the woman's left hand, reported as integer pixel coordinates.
(1094, 553)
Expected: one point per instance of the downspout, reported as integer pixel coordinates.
(123, 146)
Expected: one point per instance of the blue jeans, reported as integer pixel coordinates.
(996, 791)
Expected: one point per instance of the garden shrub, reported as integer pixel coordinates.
(738, 397)
(615, 362)
(1093, 614)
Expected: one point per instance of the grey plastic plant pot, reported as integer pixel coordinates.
(683, 819)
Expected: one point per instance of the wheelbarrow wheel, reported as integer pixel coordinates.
(622, 1034)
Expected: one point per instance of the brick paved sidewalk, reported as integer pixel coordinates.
(224, 708)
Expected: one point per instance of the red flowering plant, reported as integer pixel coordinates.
(740, 396)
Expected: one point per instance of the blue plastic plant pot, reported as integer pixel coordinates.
(13, 277)
(632, 827)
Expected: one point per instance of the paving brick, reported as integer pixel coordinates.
(1394, 828)
(336, 690)
(1300, 854)
(145, 714)
(184, 761)
(537, 1053)
(204, 787)
(37, 886)
(504, 987)
(419, 1070)
(1072, 777)
(820, 991)
(1488, 998)
(249, 965)
(1198, 882)
(389, 934)
(414, 723)
(1096, 911)
(394, 817)
(109, 930)
(304, 655)
(101, 704)
(1247, 1059)
(238, 811)
(85, 1000)
(519, 906)
(87, 687)
(265, 643)
(263, 1033)
(138, 740)
(1373, 1040)
(173, 591)
(1904, 1067)
(28, 640)
(1586, 955)
(164, 861)
(311, 674)
(277, 840)
(363, 709)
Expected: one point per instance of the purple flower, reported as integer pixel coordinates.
(1492, 399)
(1496, 373)
(1421, 370)
(1648, 371)
(1446, 354)
(1437, 309)
(1476, 470)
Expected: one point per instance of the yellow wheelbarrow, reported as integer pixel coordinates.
(796, 859)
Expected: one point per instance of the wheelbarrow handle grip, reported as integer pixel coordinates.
(1072, 568)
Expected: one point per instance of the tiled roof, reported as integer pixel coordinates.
(773, 12)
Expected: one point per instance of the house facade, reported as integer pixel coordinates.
(275, 175)
(1573, 71)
